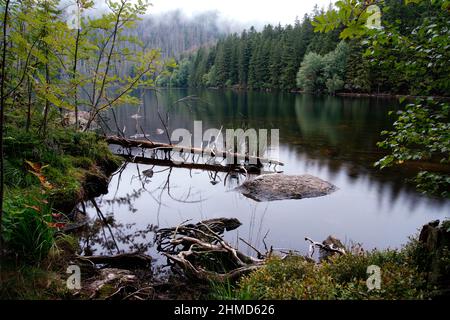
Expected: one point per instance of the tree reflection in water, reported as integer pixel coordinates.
(105, 235)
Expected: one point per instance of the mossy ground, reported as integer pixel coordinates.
(46, 175)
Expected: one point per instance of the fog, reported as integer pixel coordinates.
(245, 11)
(238, 14)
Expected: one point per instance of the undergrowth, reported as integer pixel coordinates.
(341, 277)
(45, 176)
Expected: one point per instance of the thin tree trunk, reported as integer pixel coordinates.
(77, 40)
(47, 80)
(28, 123)
(2, 118)
(47, 103)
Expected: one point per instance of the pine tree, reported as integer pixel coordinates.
(245, 53)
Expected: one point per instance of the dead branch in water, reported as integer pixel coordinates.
(208, 230)
(200, 251)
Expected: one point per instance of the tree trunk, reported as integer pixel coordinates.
(2, 118)
(75, 96)
(28, 123)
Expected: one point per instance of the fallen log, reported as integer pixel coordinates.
(129, 143)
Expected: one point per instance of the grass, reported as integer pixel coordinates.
(27, 222)
(227, 291)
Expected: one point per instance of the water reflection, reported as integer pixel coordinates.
(329, 137)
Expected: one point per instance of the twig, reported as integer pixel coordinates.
(260, 255)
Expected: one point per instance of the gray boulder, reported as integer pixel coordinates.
(271, 187)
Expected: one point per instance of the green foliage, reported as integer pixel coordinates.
(374, 57)
(409, 55)
(179, 78)
(310, 76)
(210, 79)
(342, 277)
(319, 73)
(48, 63)
(227, 291)
(26, 224)
(359, 74)
(426, 68)
(421, 133)
(39, 280)
(41, 173)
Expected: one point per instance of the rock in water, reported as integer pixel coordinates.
(271, 187)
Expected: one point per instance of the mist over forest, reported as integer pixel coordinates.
(174, 32)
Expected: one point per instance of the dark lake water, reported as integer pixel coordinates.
(333, 138)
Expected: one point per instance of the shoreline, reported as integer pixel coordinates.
(339, 94)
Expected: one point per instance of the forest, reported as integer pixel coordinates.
(69, 81)
(295, 57)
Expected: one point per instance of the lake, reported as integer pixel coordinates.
(333, 138)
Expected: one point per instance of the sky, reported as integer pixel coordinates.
(271, 11)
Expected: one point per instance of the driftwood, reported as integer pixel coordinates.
(201, 253)
(128, 143)
(125, 260)
(207, 230)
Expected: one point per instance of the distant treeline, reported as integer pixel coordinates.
(294, 57)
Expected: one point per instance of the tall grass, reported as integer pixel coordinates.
(228, 291)
(27, 229)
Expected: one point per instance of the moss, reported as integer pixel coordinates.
(22, 282)
(48, 174)
(82, 162)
